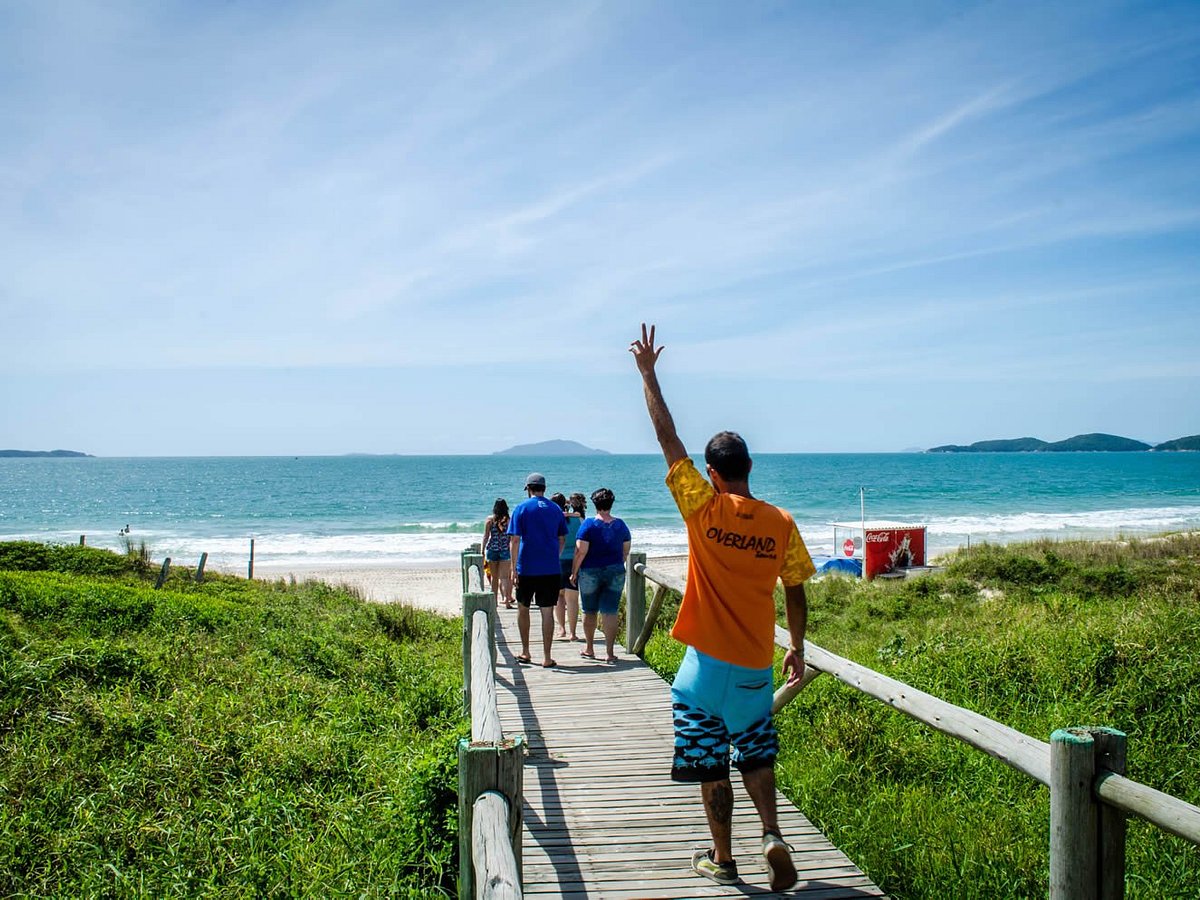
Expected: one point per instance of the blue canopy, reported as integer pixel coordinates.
(844, 564)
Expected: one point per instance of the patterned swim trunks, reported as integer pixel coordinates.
(722, 714)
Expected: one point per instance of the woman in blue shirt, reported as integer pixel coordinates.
(598, 568)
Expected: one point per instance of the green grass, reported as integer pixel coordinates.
(1039, 637)
(229, 739)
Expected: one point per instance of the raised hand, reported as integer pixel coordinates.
(644, 352)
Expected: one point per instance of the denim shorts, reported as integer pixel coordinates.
(722, 714)
(600, 588)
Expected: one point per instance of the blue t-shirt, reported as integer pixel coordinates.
(539, 522)
(605, 540)
(573, 523)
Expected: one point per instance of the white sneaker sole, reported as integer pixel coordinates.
(780, 867)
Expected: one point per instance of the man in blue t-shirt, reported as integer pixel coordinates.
(537, 531)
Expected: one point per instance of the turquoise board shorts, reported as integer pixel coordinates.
(722, 715)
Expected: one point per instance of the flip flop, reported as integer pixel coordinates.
(550, 664)
(525, 660)
(587, 655)
(612, 660)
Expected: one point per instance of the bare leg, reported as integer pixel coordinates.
(560, 613)
(718, 807)
(523, 628)
(506, 586)
(589, 633)
(760, 785)
(547, 633)
(610, 636)
(573, 612)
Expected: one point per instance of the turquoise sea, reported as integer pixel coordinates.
(422, 510)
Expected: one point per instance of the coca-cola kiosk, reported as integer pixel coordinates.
(884, 548)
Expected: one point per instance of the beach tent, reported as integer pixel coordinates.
(841, 564)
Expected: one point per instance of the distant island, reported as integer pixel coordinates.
(52, 453)
(1184, 443)
(551, 448)
(1109, 443)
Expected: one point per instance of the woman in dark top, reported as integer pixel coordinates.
(496, 552)
(601, 548)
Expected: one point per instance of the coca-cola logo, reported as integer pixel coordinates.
(878, 538)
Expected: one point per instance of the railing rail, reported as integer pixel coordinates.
(489, 766)
(1087, 846)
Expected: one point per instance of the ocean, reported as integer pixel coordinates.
(421, 511)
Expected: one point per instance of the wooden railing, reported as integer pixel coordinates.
(1083, 767)
(489, 767)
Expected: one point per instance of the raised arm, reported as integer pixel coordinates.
(646, 355)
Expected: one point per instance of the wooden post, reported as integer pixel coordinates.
(472, 558)
(472, 602)
(200, 568)
(481, 768)
(1074, 817)
(1110, 757)
(492, 852)
(83, 540)
(643, 637)
(786, 695)
(635, 597)
(251, 573)
(162, 575)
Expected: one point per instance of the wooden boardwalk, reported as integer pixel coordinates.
(602, 816)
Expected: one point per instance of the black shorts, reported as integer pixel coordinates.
(565, 584)
(541, 589)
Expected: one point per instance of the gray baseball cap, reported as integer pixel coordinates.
(535, 479)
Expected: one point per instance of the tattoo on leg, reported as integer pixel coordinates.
(720, 801)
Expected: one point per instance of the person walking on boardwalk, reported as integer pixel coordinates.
(598, 567)
(738, 547)
(496, 552)
(537, 531)
(568, 596)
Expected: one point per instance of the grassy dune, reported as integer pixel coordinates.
(1039, 637)
(225, 739)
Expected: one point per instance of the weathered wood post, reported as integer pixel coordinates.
(200, 568)
(472, 602)
(162, 575)
(656, 602)
(484, 767)
(492, 851)
(251, 575)
(1074, 816)
(635, 597)
(1109, 747)
(83, 540)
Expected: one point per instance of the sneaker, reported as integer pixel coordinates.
(779, 862)
(722, 873)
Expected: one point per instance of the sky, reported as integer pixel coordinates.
(240, 228)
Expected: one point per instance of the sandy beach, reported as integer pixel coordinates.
(436, 589)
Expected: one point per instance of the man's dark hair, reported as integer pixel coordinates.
(729, 456)
(602, 499)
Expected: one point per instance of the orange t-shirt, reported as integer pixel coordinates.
(737, 548)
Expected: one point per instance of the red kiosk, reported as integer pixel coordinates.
(884, 547)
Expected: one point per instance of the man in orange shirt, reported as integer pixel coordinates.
(738, 547)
